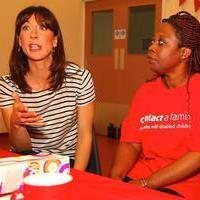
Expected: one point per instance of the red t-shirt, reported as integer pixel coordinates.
(167, 124)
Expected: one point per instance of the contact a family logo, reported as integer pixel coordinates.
(165, 121)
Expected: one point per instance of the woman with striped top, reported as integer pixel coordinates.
(47, 103)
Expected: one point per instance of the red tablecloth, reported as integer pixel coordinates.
(94, 187)
(6, 153)
(87, 186)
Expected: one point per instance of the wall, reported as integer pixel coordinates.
(172, 6)
(69, 14)
(110, 112)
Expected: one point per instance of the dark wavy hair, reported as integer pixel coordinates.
(187, 30)
(18, 62)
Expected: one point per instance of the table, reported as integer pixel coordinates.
(89, 186)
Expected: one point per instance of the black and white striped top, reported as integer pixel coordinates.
(58, 109)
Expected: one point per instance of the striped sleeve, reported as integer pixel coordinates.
(6, 99)
(86, 92)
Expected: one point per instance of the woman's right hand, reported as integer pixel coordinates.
(21, 116)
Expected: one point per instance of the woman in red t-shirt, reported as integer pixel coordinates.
(160, 143)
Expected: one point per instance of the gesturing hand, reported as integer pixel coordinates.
(22, 116)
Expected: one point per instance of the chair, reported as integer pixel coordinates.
(94, 162)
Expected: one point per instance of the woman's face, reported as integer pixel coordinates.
(164, 53)
(37, 41)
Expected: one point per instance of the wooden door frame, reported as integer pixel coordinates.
(83, 60)
(120, 77)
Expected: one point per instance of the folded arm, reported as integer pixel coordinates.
(127, 155)
(183, 168)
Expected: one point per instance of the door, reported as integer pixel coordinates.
(117, 37)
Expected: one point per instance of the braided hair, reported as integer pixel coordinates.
(187, 30)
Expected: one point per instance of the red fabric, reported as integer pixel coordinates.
(159, 120)
(181, 2)
(6, 153)
(88, 186)
(196, 4)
